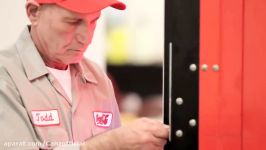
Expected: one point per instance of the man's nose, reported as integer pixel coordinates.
(82, 34)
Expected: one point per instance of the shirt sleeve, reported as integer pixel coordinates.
(116, 121)
(15, 126)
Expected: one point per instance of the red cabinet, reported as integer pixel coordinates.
(232, 95)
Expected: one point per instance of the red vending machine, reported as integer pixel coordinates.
(215, 74)
(233, 89)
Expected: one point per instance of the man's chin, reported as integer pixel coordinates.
(75, 61)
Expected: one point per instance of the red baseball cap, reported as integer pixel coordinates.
(85, 6)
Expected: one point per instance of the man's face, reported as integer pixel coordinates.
(62, 35)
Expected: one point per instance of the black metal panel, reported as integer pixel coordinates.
(182, 29)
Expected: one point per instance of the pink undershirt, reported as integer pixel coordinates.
(64, 78)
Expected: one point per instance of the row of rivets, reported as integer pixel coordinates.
(192, 122)
(204, 67)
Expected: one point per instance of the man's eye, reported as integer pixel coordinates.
(74, 22)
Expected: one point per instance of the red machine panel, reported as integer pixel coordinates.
(232, 88)
(254, 75)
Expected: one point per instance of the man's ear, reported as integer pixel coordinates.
(33, 10)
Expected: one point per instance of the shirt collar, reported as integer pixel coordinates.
(29, 55)
(85, 73)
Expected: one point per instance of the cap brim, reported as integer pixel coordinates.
(90, 6)
(119, 5)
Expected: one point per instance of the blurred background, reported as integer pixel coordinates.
(128, 45)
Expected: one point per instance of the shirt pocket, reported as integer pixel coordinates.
(52, 133)
(98, 130)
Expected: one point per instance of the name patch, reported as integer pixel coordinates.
(45, 117)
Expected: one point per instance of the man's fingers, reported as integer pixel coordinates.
(159, 142)
(161, 131)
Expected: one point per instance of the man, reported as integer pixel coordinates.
(52, 97)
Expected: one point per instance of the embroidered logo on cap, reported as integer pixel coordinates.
(45, 117)
(102, 119)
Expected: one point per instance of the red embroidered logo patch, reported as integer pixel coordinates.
(102, 119)
(45, 117)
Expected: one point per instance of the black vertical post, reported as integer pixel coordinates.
(182, 30)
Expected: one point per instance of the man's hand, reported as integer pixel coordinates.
(142, 134)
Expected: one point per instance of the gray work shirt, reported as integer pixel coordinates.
(35, 112)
